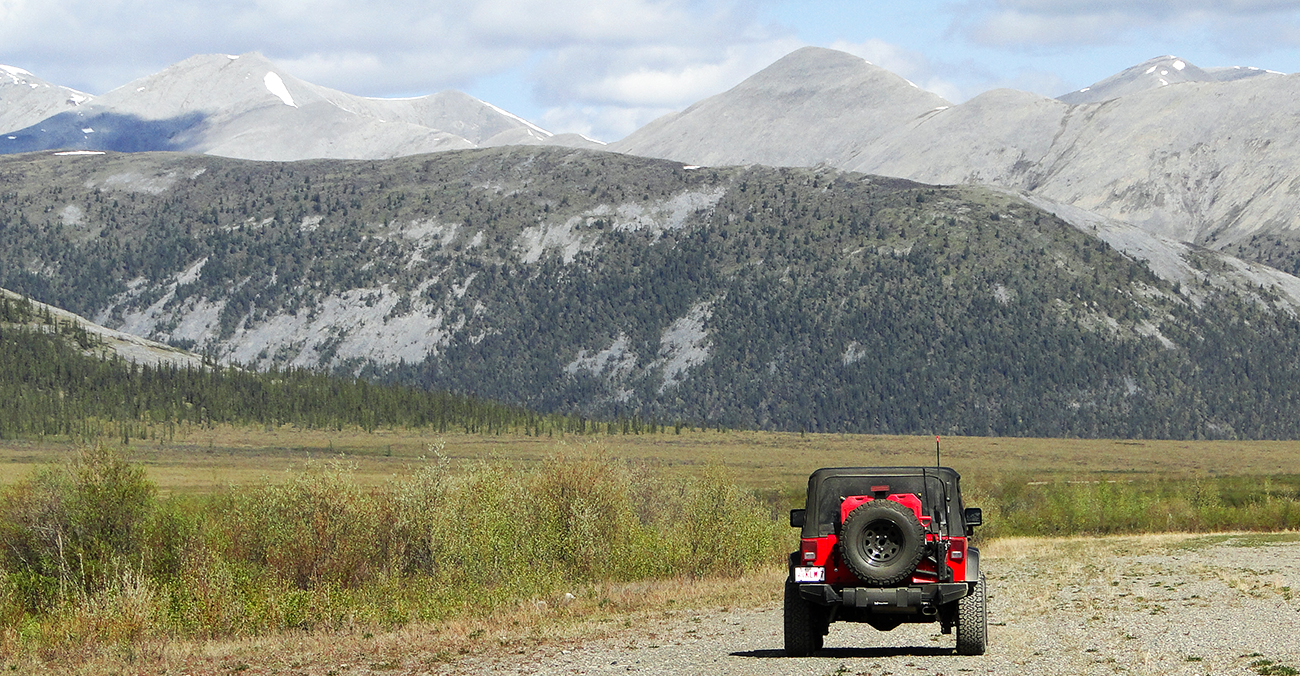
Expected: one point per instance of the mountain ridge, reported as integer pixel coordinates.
(245, 106)
(598, 284)
(797, 100)
(1204, 160)
(1208, 161)
(28, 99)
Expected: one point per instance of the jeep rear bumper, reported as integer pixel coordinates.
(922, 599)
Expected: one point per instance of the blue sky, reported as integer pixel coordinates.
(605, 67)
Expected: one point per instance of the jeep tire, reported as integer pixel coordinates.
(973, 621)
(805, 624)
(882, 541)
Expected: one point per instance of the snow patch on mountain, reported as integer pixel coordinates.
(275, 85)
(516, 118)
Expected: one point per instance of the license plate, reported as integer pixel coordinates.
(810, 574)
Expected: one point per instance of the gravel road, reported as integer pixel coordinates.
(1134, 605)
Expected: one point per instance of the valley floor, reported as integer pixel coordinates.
(1135, 605)
(1161, 604)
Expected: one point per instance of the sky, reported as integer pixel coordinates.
(606, 67)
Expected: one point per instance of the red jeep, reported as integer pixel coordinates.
(884, 546)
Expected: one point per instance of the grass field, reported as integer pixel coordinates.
(201, 459)
(261, 531)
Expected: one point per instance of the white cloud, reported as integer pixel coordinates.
(1235, 24)
(607, 92)
(9, 9)
(602, 123)
(655, 76)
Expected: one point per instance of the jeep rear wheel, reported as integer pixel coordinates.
(882, 542)
(805, 624)
(973, 621)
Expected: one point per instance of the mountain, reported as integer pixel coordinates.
(245, 106)
(1159, 72)
(26, 99)
(1208, 158)
(600, 284)
(1208, 163)
(1201, 156)
(813, 106)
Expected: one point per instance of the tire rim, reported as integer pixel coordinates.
(881, 542)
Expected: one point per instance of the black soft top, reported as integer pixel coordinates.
(937, 487)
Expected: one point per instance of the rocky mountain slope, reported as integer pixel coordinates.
(1206, 157)
(1161, 71)
(26, 99)
(814, 106)
(245, 106)
(1201, 156)
(92, 338)
(602, 284)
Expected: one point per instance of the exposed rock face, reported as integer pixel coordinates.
(579, 281)
(1208, 157)
(26, 99)
(128, 346)
(1161, 71)
(1203, 156)
(1209, 163)
(246, 107)
(812, 107)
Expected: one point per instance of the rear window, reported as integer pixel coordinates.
(829, 491)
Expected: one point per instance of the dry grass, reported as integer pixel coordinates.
(200, 459)
(1033, 571)
(595, 612)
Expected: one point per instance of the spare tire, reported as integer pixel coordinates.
(882, 541)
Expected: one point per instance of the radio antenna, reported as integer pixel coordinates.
(936, 452)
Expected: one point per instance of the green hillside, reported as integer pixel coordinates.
(52, 382)
(595, 284)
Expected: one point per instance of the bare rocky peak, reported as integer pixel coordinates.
(1207, 157)
(1161, 71)
(813, 106)
(1206, 162)
(1000, 137)
(209, 83)
(245, 106)
(26, 99)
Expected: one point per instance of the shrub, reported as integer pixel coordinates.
(72, 528)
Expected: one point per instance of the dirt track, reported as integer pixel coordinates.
(1132, 605)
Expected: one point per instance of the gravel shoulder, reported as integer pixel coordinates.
(1164, 604)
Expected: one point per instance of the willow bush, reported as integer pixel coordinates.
(89, 555)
